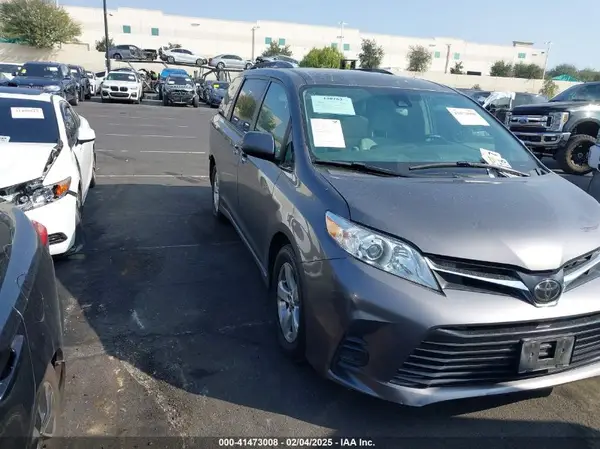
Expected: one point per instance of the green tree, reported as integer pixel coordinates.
(419, 59)
(101, 44)
(371, 54)
(501, 69)
(326, 57)
(563, 69)
(549, 88)
(39, 23)
(458, 68)
(588, 74)
(528, 71)
(275, 49)
(245, 106)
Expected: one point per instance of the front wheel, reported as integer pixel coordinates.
(93, 180)
(171, 60)
(216, 194)
(165, 101)
(248, 66)
(196, 102)
(572, 158)
(75, 100)
(286, 299)
(117, 56)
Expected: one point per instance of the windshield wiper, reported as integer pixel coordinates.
(360, 167)
(465, 164)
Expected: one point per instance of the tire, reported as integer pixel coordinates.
(88, 96)
(576, 148)
(160, 95)
(81, 94)
(46, 428)
(170, 59)
(248, 66)
(216, 198)
(220, 66)
(196, 102)
(93, 180)
(74, 101)
(199, 62)
(117, 56)
(165, 101)
(103, 100)
(286, 282)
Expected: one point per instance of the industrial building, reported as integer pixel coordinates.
(209, 37)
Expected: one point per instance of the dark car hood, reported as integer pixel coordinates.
(536, 223)
(551, 106)
(218, 92)
(34, 81)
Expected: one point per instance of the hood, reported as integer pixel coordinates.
(535, 223)
(34, 81)
(551, 106)
(22, 162)
(219, 92)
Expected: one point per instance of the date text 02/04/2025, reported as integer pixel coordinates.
(296, 442)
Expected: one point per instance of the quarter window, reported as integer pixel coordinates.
(247, 103)
(225, 106)
(274, 115)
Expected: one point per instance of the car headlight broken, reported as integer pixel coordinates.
(39, 195)
(379, 251)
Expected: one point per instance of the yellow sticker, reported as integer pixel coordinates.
(23, 70)
(216, 86)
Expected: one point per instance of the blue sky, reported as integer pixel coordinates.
(497, 22)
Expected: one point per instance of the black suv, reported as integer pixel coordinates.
(50, 77)
(564, 128)
(84, 88)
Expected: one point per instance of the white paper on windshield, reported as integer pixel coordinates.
(493, 158)
(131, 78)
(52, 69)
(4, 139)
(170, 82)
(28, 113)
(332, 105)
(467, 117)
(327, 133)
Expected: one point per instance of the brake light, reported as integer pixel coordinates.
(41, 231)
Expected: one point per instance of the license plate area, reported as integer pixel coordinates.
(539, 354)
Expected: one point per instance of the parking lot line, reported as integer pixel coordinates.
(151, 135)
(172, 152)
(150, 125)
(135, 117)
(152, 176)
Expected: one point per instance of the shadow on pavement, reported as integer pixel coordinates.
(149, 100)
(176, 296)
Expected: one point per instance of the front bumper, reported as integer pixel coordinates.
(215, 101)
(59, 218)
(395, 340)
(546, 140)
(180, 97)
(119, 95)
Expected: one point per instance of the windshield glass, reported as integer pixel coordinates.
(40, 71)
(9, 68)
(220, 85)
(179, 80)
(90, 74)
(395, 128)
(523, 99)
(121, 76)
(75, 73)
(27, 121)
(580, 92)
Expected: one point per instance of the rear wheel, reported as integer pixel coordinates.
(220, 66)
(170, 59)
(93, 180)
(572, 158)
(199, 62)
(165, 101)
(196, 102)
(48, 403)
(117, 56)
(216, 194)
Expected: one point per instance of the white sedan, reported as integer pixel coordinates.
(181, 55)
(48, 163)
(122, 85)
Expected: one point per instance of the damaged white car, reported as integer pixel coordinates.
(48, 163)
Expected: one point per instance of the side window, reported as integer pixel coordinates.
(274, 115)
(227, 102)
(187, 52)
(288, 156)
(247, 103)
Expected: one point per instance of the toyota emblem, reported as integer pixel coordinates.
(547, 291)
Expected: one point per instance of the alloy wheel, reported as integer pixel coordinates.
(288, 304)
(216, 197)
(45, 415)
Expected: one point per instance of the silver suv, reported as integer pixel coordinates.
(126, 52)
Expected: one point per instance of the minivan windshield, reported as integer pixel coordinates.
(27, 121)
(396, 128)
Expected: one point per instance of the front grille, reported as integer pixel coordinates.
(530, 121)
(114, 88)
(123, 89)
(479, 355)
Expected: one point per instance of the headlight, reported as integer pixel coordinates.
(52, 89)
(38, 195)
(559, 120)
(381, 252)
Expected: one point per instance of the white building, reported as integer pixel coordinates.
(209, 37)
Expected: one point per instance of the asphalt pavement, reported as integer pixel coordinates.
(168, 330)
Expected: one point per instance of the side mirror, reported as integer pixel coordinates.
(258, 144)
(85, 135)
(594, 157)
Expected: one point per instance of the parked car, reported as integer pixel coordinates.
(9, 69)
(180, 90)
(501, 103)
(266, 59)
(122, 86)
(166, 72)
(51, 77)
(150, 54)
(31, 335)
(476, 94)
(214, 93)
(85, 88)
(94, 83)
(564, 128)
(127, 52)
(100, 77)
(230, 62)
(386, 216)
(182, 55)
(50, 163)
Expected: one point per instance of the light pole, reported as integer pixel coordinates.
(447, 57)
(549, 44)
(341, 36)
(254, 28)
(106, 37)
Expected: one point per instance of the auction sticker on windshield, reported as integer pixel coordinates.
(332, 105)
(4, 139)
(467, 117)
(493, 158)
(327, 133)
(27, 113)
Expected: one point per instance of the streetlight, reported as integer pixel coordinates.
(106, 37)
(341, 36)
(254, 28)
(548, 44)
